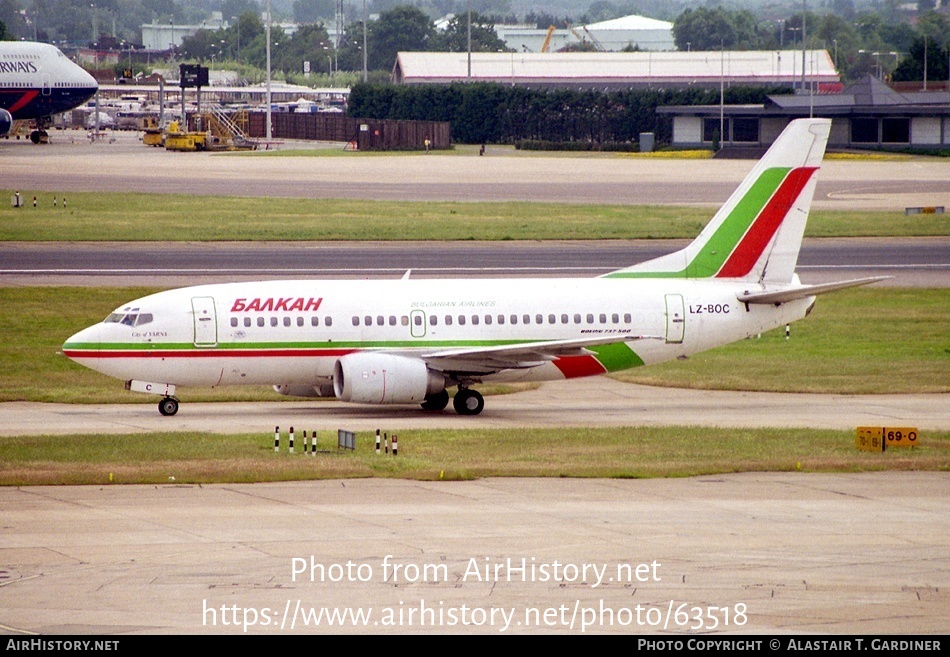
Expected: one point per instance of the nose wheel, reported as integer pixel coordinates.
(168, 406)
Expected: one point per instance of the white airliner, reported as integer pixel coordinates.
(37, 81)
(408, 341)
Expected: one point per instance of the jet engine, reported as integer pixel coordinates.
(322, 389)
(6, 122)
(374, 378)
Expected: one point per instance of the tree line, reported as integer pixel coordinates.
(482, 112)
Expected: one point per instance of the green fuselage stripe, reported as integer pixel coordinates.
(616, 357)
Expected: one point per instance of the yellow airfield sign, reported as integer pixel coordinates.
(877, 439)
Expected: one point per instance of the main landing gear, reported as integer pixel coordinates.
(436, 402)
(467, 401)
(168, 406)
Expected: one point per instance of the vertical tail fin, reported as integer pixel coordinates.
(757, 234)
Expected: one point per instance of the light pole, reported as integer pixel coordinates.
(803, 44)
(365, 71)
(268, 96)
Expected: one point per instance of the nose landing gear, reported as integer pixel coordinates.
(168, 406)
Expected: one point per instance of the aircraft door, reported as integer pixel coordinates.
(675, 318)
(206, 322)
(46, 85)
(417, 323)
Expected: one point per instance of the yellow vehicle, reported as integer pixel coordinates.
(177, 139)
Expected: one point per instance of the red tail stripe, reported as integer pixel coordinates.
(750, 247)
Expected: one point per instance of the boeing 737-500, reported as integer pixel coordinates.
(37, 81)
(409, 341)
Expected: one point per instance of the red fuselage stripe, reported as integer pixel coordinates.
(573, 367)
(211, 353)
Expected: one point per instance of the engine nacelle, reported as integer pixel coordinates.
(322, 389)
(6, 122)
(373, 378)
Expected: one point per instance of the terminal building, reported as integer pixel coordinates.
(866, 114)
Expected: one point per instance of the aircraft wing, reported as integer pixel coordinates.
(791, 294)
(523, 355)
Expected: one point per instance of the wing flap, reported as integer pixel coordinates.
(522, 355)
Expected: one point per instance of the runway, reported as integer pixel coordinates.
(789, 554)
(72, 164)
(593, 401)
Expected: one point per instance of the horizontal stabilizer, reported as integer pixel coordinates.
(791, 294)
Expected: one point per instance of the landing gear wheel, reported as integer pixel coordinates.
(468, 402)
(436, 402)
(168, 406)
(39, 137)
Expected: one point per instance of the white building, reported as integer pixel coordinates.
(631, 31)
(617, 70)
(613, 35)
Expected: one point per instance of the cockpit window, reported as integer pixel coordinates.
(129, 317)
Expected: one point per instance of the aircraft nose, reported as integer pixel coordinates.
(83, 347)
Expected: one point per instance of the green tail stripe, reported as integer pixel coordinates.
(727, 237)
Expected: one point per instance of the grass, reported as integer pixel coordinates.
(862, 341)
(104, 216)
(630, 452)
(886, 340)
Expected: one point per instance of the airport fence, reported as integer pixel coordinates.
(367, 134)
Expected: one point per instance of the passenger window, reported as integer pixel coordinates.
(356, 320)
(552, 319)
(367, 321)
(314, 321)
(273, 321)
(433, 320)
(627, 317)
(404, 320)
(300, 321)
(488, 319)
(615, 318)
(448, 320)
(328, 321)
(461, 320)
(392, 320)
(380, 320)
(590, 318)
(475, 320)
(603, 318)
(417, 320)
(564, 319)
(260, 321)
(247, 322)
(234, 321)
